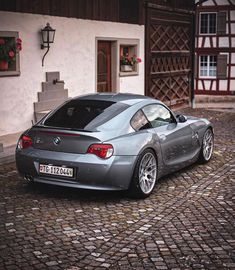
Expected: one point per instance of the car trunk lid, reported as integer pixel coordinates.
(63, 140)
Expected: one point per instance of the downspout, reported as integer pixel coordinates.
(193, 57)
(193, 52)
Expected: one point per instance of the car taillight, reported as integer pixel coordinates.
(25, 142)
(101, 150)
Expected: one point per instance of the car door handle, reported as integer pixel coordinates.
(162, 137)
(195, 135)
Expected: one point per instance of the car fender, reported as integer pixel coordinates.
(200, 126)
(135, 143)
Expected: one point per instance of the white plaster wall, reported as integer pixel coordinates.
(222, 2)
(207, 42)
(199, 42)
(233, 42)
(223, 85)
(213, 85)
(232, 14)
(200, 86)
(223, 42)
(208, 3)
(233, 60)
(233, 71)
(218, 2)
(233, 26)
(207, 84)
(232, 85)
(73, 54)
(214, 41)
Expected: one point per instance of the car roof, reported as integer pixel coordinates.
(127, 98)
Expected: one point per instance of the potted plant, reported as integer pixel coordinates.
(128, 62)
(9, 47)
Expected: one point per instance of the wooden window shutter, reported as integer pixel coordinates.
(222, 66)
(221, 23)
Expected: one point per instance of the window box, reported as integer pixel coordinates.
(129, 60)
(126, 68)
(9, 67)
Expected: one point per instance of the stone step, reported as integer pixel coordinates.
(10, 139)
(51, 76)
(40, 115)
(48, 105)
(214, 99)
(8, 155)
(50, 86)
(54, 94)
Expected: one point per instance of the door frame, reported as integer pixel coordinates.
(105, 47)
(115, 56)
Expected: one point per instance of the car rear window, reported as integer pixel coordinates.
(84, 114)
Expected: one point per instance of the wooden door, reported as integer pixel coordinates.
(168, 56)
(104, 67)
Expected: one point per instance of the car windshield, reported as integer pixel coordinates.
(84, 114)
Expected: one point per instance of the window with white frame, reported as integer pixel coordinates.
(208, 65)
(208, 23)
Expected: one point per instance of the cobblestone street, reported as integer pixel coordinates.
(187, 223)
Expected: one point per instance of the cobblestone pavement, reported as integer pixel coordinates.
(187, 223)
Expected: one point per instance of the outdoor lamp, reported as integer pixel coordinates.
(48, 35)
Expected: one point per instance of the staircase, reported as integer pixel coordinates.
(52, 95)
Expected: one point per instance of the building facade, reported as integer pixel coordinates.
(215, 48)
(91, 39)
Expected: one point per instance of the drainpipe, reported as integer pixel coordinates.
(193, 57)
(193, 52)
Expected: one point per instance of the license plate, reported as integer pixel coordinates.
(56, 170)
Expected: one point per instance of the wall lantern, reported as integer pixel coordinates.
(48, 35)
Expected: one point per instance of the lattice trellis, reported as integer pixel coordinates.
(170, 63)
(169, 37)
(169, 89)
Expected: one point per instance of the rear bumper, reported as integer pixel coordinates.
(91, 172)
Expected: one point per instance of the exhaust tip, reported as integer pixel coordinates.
(28, 178)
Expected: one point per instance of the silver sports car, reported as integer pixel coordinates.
(112, 142)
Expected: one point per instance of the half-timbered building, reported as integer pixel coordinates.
(215, 47)
(92, 37)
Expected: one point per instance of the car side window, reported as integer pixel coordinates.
(139, 121)
(158, 115)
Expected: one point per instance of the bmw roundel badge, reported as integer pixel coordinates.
(56, 140)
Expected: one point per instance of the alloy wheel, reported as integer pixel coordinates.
(147, 172)
(208, 142)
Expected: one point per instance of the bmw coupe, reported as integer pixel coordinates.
(112, 141)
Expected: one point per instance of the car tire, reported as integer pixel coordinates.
(144, 176)
(207, 146)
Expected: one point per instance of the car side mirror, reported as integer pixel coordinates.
(181, 118)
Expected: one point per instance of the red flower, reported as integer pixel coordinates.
(18, 47)
(138, 60)
(11, 54)
(2, 41)
(18, 40)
